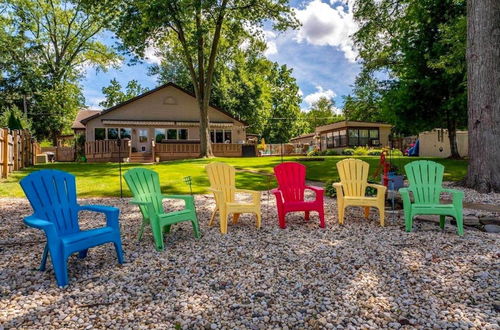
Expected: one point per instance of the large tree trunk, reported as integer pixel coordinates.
(205, 144)
(483, 75)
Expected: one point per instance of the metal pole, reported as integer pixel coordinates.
(119, 143)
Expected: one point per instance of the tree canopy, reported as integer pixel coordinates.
(114, 94)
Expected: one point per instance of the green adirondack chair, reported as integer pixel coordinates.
(426, 178)
(145, 186)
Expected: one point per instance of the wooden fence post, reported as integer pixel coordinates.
(15, 135)
(5, 164)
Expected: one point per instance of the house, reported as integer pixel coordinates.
(309, 139)
(161, 124)
(436, 143)
(78, 127)
(350, 134)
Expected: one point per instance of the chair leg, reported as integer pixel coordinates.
(223, 222)
(281, 219)
(259, 219)
(367, 212)
(60, 265)
(119, 250)
(82, 254)
(196, 227)
(236, 216)
(157, 236)
(408, 221)
(460, 223)
(212, 218)
(306, 216)
(442, 221)
(341, 210)
(381, 212)
(321, 214)
(44, 257)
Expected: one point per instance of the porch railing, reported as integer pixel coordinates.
(168, 151)
(107, 150)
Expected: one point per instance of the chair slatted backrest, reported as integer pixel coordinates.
(425, 178)
(291, 179)
(353, 176)
(145, 186)
(52, 195)
(222, 177)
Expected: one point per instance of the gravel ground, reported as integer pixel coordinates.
(358, 275)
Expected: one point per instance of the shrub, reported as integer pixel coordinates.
(396, 152)
(331, 153)
(329, 190)
(312, 153)
(360, 151)
(374, 152)
(348, 152)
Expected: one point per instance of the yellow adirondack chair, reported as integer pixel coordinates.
(351, 191)
(222, 185)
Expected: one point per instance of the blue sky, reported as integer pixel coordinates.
(321, 54)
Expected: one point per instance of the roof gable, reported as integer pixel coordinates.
(170, 84)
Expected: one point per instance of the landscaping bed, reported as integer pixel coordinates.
(358, 274)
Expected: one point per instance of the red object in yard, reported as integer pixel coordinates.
(289, 195)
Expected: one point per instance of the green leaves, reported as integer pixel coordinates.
(114, 94)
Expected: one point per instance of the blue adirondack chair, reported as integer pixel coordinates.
(52, 195)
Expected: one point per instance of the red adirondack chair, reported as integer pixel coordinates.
(291, 179)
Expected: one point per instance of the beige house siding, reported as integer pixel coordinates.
(169, 105)
(436, 143)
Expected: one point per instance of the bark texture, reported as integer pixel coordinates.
(483, 75)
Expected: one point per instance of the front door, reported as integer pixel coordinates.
(143, 144)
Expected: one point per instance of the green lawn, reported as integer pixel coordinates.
(102, 179)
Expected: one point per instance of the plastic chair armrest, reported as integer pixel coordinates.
(112, 213)
(34, 222)
(255, 194)
(380, 189)
(278, 194)
(405, 195)
(339, 187)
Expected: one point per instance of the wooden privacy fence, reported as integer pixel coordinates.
(17, 150)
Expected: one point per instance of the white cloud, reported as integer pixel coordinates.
(323, 25)
(151, 55)
(270, 39)
(314, 97)
(93, 102)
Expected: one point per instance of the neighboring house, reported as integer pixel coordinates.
(309, 139)
(436, 143)
(166, 115)
(348, 134)
(78, 127)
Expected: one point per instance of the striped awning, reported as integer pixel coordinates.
(157, 123)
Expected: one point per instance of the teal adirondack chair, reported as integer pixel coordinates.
(145, 186)
(426, 178)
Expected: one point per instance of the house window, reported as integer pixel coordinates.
(227, 136)
(353, 137)
(323, 141)
(363, 137)
(329, 140)
(343, 138)
(143, 135)
(336, 139)
(171, 134)
(374, 137)
(159, 135)
(112, 133)
(212, 136)
(219, 136)
(99, 134)
(125, 133)
(183, 134)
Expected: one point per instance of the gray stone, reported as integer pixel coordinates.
(492, 228)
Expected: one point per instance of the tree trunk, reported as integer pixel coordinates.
(483, 89)
(205, 144)
(452, 136)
